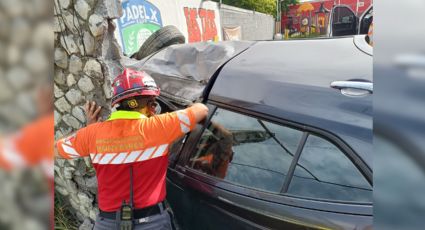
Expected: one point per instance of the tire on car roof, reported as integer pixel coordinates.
(166, 36)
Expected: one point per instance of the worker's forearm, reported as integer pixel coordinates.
(56, 151)
(57, 155)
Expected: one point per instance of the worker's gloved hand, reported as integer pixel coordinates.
(92, 112)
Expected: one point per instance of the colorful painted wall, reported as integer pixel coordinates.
(312, 17)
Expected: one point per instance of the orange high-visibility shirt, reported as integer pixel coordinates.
(129, 139)
(31, 146)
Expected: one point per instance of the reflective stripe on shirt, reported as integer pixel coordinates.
(129, 157)
(125, 115)
(184, 121)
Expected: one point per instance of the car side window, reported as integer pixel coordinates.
(343, 15)
(246, 151)
(325, 172)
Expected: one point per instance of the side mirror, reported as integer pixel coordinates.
(343, 21)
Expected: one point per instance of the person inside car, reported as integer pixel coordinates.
(219, 152)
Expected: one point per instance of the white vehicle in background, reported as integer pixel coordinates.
(345, 22)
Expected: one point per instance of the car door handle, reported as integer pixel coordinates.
(360, 85)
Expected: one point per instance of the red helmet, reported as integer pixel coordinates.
(133, 83)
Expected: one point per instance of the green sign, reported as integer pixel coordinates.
(140, 19)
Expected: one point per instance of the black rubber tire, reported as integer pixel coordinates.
(166, 36)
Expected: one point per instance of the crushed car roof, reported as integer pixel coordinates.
(182, 71)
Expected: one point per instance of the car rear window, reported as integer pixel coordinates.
(246, 151)
(324, 171)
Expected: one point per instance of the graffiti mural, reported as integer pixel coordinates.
(140, 19)
(311, 18)
(206, 30)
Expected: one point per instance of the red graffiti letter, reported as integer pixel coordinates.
(211, 24)
(202, 15)
(209, 30)
(192, 25)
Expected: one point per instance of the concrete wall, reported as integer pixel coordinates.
(255, 25)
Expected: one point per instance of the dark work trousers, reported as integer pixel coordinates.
(160, 221)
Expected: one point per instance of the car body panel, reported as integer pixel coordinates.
(251, 212)
(254, 209)
(262, 80)
(201, 201)
(297, 87)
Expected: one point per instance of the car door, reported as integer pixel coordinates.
(236, 172)
(343, 21)
(178, 195)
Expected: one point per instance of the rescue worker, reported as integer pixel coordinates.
(129, 152)
(219, 152)
(31, 148)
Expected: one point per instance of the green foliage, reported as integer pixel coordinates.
(284, 4)
(263, 6)
(64, 219)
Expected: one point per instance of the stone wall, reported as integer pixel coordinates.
(25, 47)
(86, 57)
(26, 44)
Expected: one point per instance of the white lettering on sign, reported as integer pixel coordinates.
(153, 16)
(135, 11)
(129, 14)
(138, 13)
(142, 9)
(361, 4)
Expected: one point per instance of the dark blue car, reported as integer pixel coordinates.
(288, 141)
